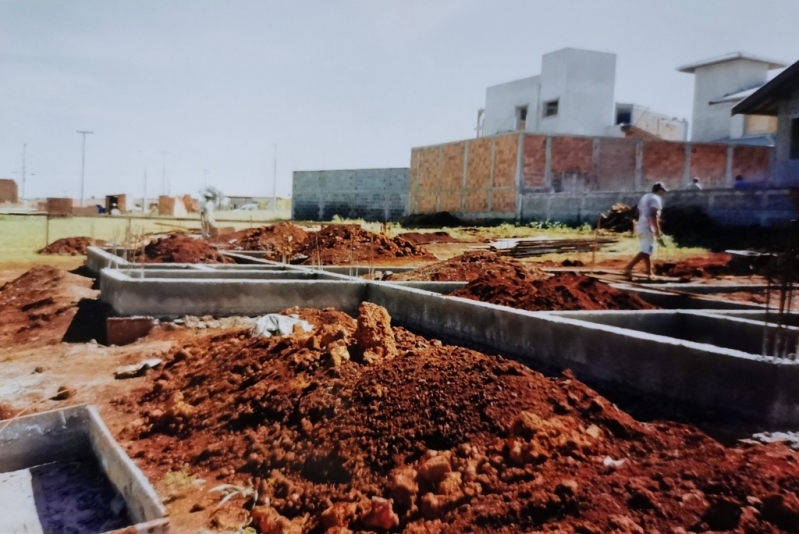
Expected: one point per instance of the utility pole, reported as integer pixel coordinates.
(274, 182)
(24, 149)
(83, 165)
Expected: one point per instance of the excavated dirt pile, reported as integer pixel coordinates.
(714, 266)
(72, 246)
(358, 427)
(562, 292)
(418, 238)
(341, 244)
(39, 306)
(277, 241)
(179, 248)
(467, 267)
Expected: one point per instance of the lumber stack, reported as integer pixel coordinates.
(525, 248)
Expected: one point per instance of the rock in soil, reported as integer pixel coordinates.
(439, 439)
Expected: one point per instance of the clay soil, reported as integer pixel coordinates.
(38, 307)
(343, 244)
(277, 241)
(72, 246)
(467, 267)
(361, 427)
(691, 268)
(562, 292)
(179, 248)
(418, 238)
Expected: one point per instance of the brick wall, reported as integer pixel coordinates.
(370, 194)
(663, 162)
(751, 162)
(709, 164)
(8, 191)
(615, 170)
(59, 206)
(534, 159)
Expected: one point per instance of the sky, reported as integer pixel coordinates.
(211, 87)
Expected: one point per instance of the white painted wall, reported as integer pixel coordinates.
(712, 122)
(663, 126)
(582, 81)
(502, 101)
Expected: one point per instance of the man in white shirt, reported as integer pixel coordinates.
(649, 208)
(207, 222)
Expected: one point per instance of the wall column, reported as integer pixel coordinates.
(548, 164)
(638, 180)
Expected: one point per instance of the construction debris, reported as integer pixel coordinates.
(525, 248)
(621, 218)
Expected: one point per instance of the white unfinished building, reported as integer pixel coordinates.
(573, 95)
(721, 83)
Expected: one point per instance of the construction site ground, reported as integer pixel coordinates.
(36, 367)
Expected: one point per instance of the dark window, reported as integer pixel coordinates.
(624, 116)
(523, 113)
(521, 117)
(551, 108)
(794, 138)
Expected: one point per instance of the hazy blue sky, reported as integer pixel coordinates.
(335, 83)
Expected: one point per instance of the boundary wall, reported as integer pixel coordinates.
(486, 178)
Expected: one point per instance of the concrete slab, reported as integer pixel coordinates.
(47, 457)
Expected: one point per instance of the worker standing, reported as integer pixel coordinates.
(207, 222)
(649, 208)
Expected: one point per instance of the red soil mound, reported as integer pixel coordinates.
(437, 439)
(72, 246)
(467, 267)
(712, 267)
(342, 244)
(179, 248)
(277, 241)
(418, 238)
(39, 306)
(565, 291)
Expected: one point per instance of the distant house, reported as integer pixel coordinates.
(719, 84)
(573, 95)
(8, 191)
(779, 98)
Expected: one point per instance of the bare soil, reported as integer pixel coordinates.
(467, 267)
(360, 427)
(278, 241)
(72, 246)
(179, 248)
(343, 244)
(562, 292)
(418, 238)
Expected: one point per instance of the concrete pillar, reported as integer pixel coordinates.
(686, 170)
(638, 183)
(519, 175)
(593, 180)
(465, 172)
(491, 174)
(438, 180)
(548, 164)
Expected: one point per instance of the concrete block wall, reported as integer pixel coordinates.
(486, 177)
(727, 207)
(369, 194)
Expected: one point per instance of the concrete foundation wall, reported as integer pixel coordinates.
(370, 194)
(726, 207)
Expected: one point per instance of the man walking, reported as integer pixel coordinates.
(207, 222)
(649, 208)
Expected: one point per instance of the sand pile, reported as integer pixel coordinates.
(39, 306)
(467, 267)
(365, 428)
(277, 241)
(562, 292)
(342, 244)
(72, 246)
(179, 248)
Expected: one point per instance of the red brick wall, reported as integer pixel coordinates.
(751, 162)
(534, 158)
(663, 162)
(59, 206)
(709, 164)
(616, 165)
(573, 155)
(506, 150)
(8, 191)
